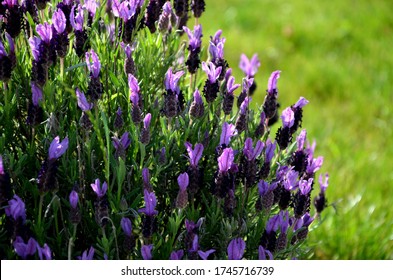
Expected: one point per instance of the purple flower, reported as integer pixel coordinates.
(95, 66)
(228, 74)
(44, 252)
(127, 49)
(150, 204)
(269, 150)
(57, 148)
(249, 150)
(288, 117)
(216, 51)
(1, 166)
(123, 142)
(146, 252)
(176, 255)
(217, 37)
(231, 87)
(194, 155)
(59, 21)
(301, 102)
(74, 197)
(126, 226)
(194, 37)
(146, 121)
(195, 244)
(191, 226)
(45, 32)
(301, 139)
(98, 189)
(323, 184)
(226, 159)
(23, 249)
(314, 165)
(77, 20)
(262, 253)
(236, 249)
(284, 221)
(273, 223)
(265, 187)
(125, 10)
(247, 83)
(227, 132)
(205, 255)
(183, 181)
(2, 50)
(134, 89)
(304, 221)
(87, 255)
(290, 180)
(272, 83)
(213, 72)
(305, 186)
(172, 80)
(249, 67)
(91, 6)
(37, 93)
(34, 43)
(83, 104)
(16, 209)
(244, 105)
(146, 176)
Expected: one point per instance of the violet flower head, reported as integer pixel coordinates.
(1, 166)
(304, 221)
(269, 150)
(128, 50)
(314, 164)
(83, 104)
(23, 249)
(217, 37)
(273, 223)
(77, 20)
(16, 209)
(205, 255)
(290, 181)
(249, 150)
(301, 139)
(195, 41)
(123, 142)
(34, 43)
(301, 102)
(194, 154)
(249, 67)
(95, 65)
(265, 187)
(228, 74)
(263, 254)
(272, 83)
(87, 255)
(146, 252)
(3, 52)
(288, 117)
(134, 88)
(146, 121)
(236, 249)
(177, 255)
(183, 181)
(57, 148)
(284, 221)
(172, 80)
(198, 97)
(146, 176)
(74, 198)
(227, 132)
(244, 105)
(44, 252)
(191, 226)
(216, 51)
(125, 10)
(323, 183)
(99, 189)
(91, 6)
(305, 186)
(150, 204)
(126, 226)
(231, 86)
(213, 72)
(59, 21)
(226, 159)
(247, 83)
(45, 32)
(37, 93)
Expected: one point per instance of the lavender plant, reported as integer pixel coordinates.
(177, 172)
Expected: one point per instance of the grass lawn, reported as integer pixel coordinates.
(338, 55)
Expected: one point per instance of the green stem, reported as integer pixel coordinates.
(71, 243)
(62, 68)
(40, 209)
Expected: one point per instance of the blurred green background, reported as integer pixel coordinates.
(338, 54)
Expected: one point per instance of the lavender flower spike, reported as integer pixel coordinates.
(146, 121)
(94, 66)
(34, 43)
(44, 252)
(249, 151)
(194, 155)
(74, 197)
(146, 252)
(133, 84)
(172, 80)
(77, 21)
(23, 249)
(87, 255)
(183, 181)
(231, 86)
(57, 148)
(45, 32)
(244, 105)
(126, 226)
(212, 71)
(59, 21)
(150, 204)
(288, 117)
(194, 37)
(249, 67)
(16, 209)
(228, 131)
(98, 189)
(269, 151)
(301, 102)
(226, 159)
(305, 186)
(37, 93)
(236, 249)
(83, 104)
(301, 139)
(272, 83)
(127, 49)
(322, 183)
